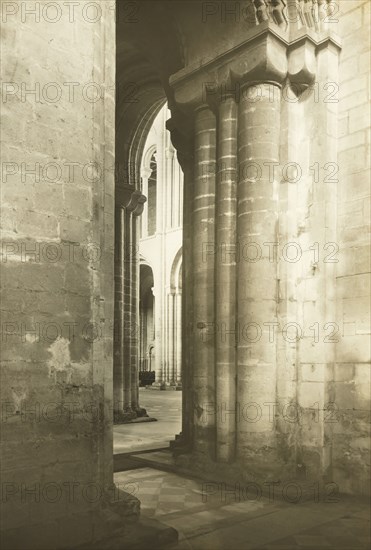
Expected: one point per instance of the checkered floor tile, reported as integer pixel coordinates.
(207, 523)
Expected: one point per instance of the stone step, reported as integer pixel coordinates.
(144, 534)
(129, 461)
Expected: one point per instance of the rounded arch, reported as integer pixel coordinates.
(148, 53)
(147, 156)
(176, 271)
(146, 278)
(144, 261)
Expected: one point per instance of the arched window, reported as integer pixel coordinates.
(152, 198)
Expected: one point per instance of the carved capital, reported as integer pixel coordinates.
(145, 172)
(136, 203)
(169, 153)
(302, 66)
(271, 53)
(180, 128)
(262, 57)
(133, 201)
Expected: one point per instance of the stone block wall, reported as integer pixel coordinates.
(58, 113)
(351, 382)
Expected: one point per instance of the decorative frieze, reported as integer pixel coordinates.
(295, 14)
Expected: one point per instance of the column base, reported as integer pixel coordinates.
(121, 526)
(137, 415)
(165, 386)
(179, 445)
(121, 417)
(157, 386)
(140, 412)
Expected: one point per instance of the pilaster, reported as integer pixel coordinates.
(125, 372)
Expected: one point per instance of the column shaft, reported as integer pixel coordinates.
(225, 298)
(259, 124)
(178, 339)
(128, 249)
(134, 326)
(187, 306)
(203, 220)
(144, 218)
(170, 373)
(118, 365)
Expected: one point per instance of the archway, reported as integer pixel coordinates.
(146, 325)
(145, 60)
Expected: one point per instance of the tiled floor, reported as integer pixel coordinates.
(208, 519)
(166, 407)
(215, 521)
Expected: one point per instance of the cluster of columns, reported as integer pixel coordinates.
(171, 373)
(231, 201)
(126, 311)
(229, 209)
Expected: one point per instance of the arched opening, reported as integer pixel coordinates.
(154, 292)
(146, 326)
(147, 54)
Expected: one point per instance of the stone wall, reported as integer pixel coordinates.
(57, 263)
(351, 383)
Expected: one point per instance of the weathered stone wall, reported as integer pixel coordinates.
(350, 388)
(57, 264)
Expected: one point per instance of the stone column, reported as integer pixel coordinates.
(158, 328)
(145, 173)
(186, 333)
(126, 307)
(182, 135)
(178, 340)
(170, 339)
(258, 145)
(128, 251)
(159, 279)
(134, 327)
(203, 225)
(225, 284)
(142, 344)
(118, 357)
(169, 155)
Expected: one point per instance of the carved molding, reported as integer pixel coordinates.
(294, 14)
